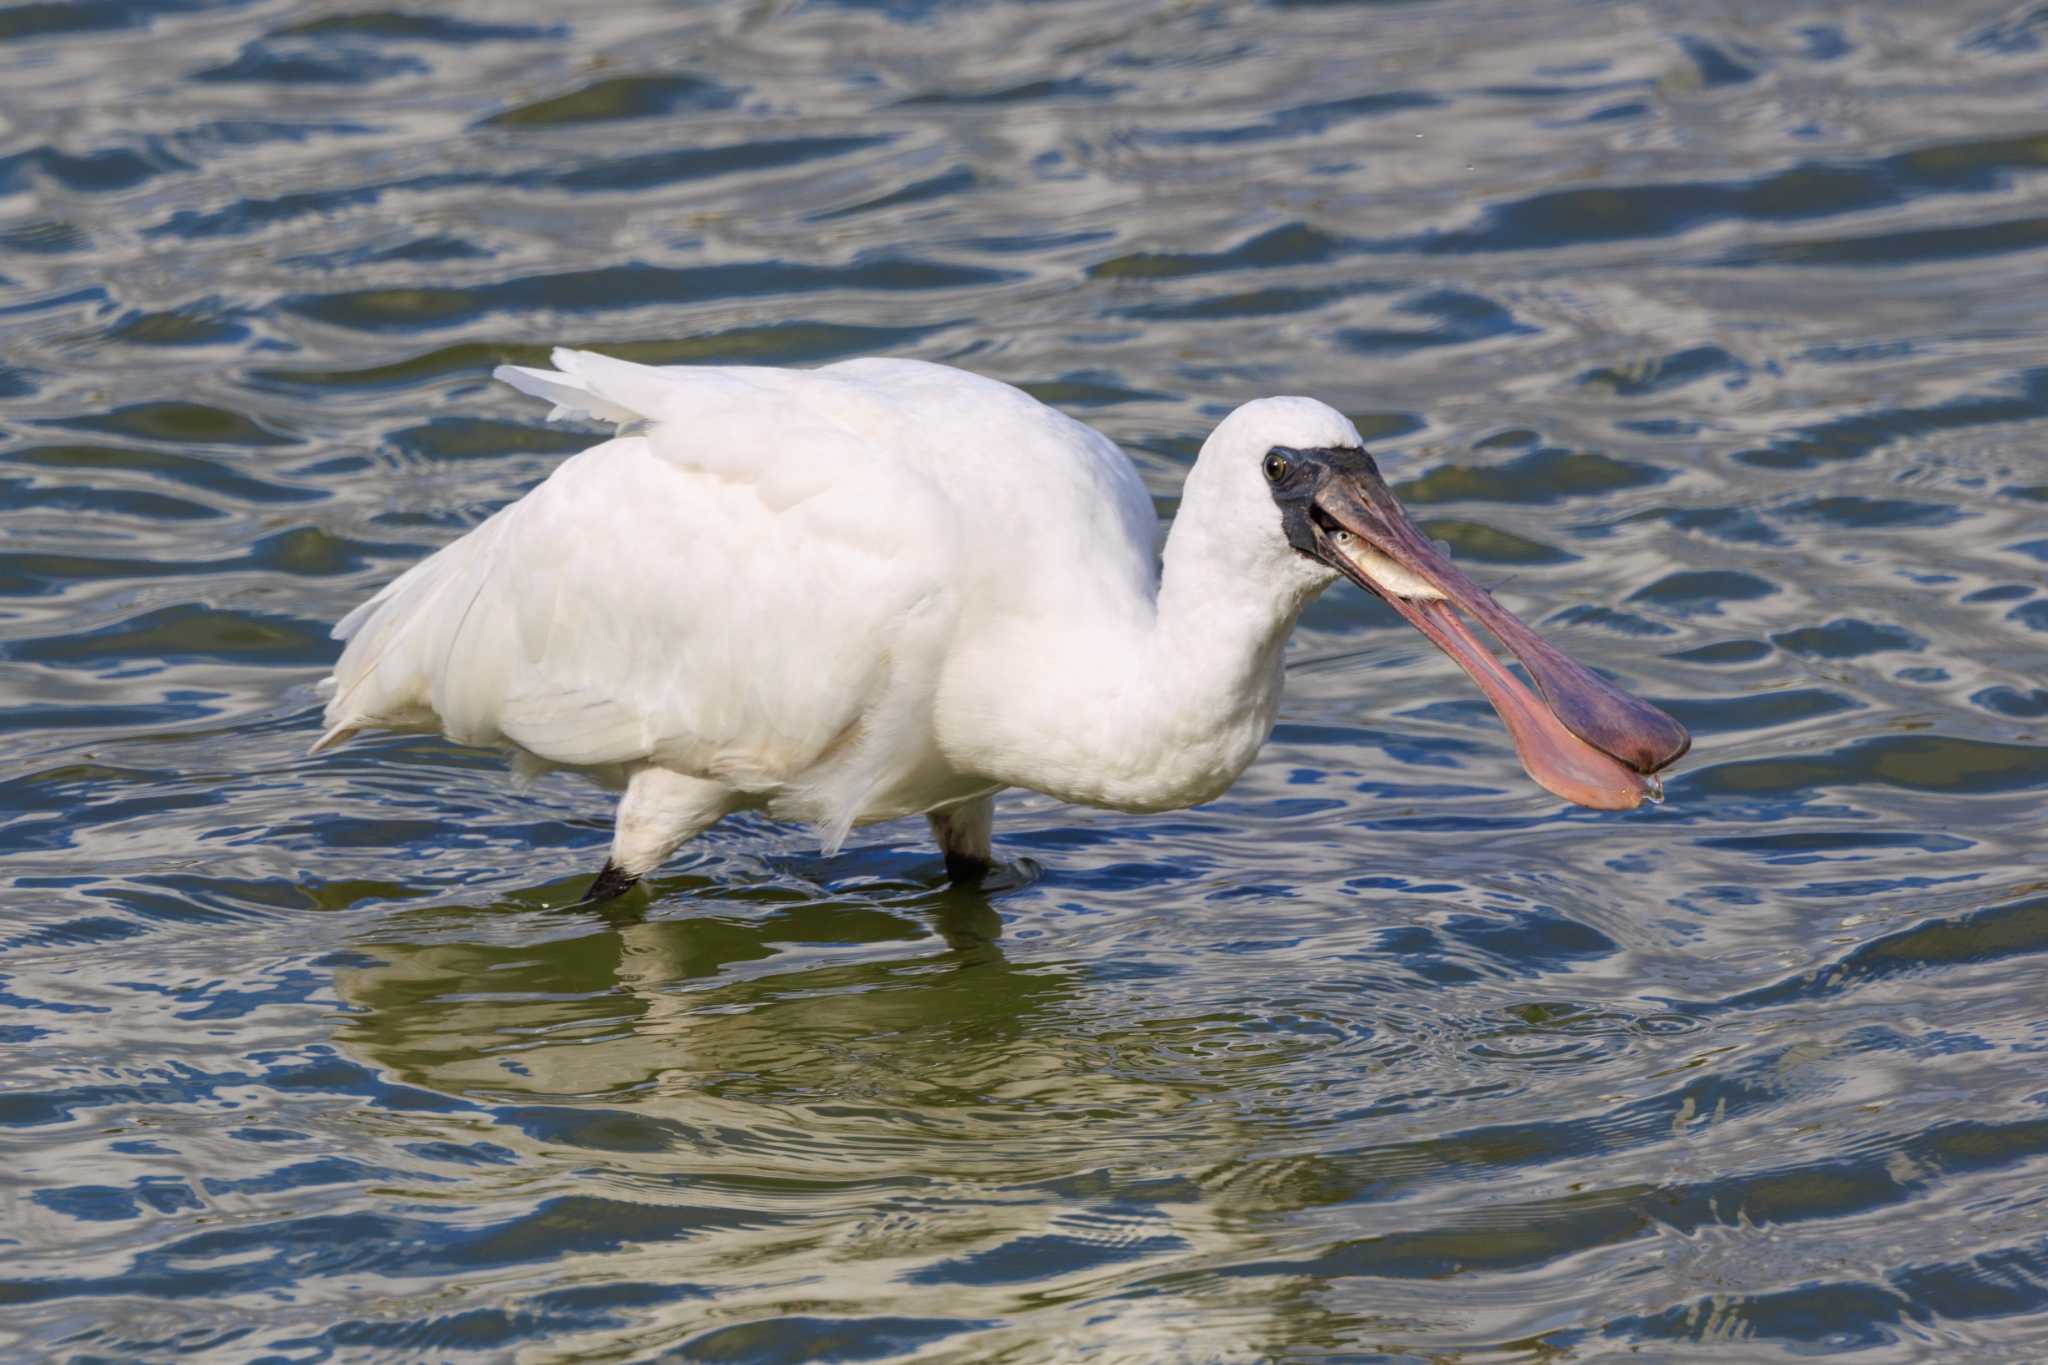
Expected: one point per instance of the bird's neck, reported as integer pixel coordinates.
(1162, 705)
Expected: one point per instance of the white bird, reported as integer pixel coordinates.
(886, 588)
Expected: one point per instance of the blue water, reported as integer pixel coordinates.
(1715, 336)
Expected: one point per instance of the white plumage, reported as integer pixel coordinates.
(848, 594)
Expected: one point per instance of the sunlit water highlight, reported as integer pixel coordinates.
(1712, 336)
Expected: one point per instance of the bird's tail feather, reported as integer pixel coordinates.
(585, 383)
(339, 734)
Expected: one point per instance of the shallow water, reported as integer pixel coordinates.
(1713, 334)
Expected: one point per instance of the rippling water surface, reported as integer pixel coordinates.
(1716, 335)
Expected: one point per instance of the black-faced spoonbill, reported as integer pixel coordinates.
(887, 588)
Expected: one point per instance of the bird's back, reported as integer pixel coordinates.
(760, 581)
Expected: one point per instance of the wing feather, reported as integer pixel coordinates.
(637, 604)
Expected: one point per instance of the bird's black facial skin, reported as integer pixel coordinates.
(1305, 472)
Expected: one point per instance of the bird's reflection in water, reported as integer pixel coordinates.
(856, 1087)
(708, 1000)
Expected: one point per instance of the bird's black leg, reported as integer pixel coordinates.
(609, 885)
(964, 869)
(962, 833)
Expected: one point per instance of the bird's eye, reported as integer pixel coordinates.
(1276, 466)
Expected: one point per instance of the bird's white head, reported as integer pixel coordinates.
(1228, 496)
(1284, 499)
